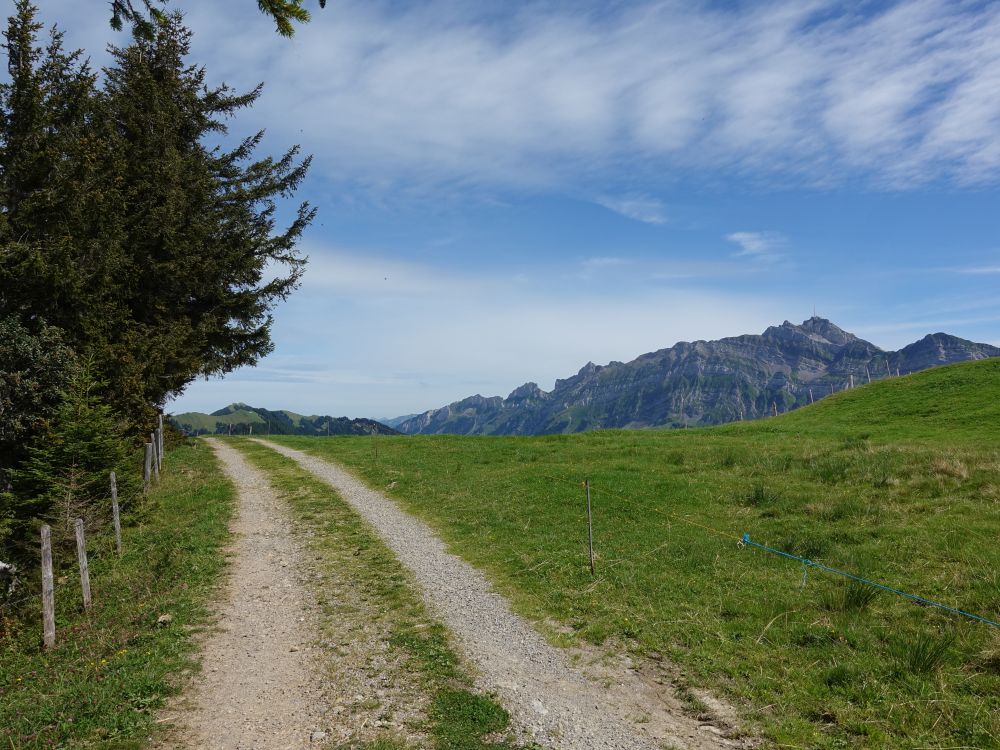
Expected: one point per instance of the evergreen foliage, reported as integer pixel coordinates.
(35, 369)
(285, 13)
(66, 472)
(129, 239)
(125, 228)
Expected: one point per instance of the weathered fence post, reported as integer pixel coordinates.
(159, 426)
(115, 516)
(887, 368)
(852, 379)
(154, 438)
(590, 527)
(156, 459)
(81, 554)
(147, 466)
(48, 591)
(868, 373)
(811, 396)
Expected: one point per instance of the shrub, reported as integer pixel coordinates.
(66, 470)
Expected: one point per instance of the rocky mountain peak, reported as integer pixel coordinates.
(817, 329)
(525, 392)
(700, 383)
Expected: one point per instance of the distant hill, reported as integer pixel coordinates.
(699, 383)
(957, 403)
(245, 419)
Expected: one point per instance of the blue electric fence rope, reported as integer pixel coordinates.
(745, 541)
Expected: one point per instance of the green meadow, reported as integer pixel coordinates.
(898, 481)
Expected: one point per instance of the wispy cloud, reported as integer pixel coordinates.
(978, 270)
(896, 94)
(761, 246)
(642, 208)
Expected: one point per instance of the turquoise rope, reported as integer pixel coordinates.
(820, 566)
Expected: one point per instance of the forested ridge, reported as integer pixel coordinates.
(133, 249)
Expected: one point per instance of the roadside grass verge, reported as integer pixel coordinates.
(113, 666)
(455, 716)
(811, 661)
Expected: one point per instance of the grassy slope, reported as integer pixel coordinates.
(113, 667)
(899, 481)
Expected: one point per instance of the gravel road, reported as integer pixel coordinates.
(261, 687)
(551, 701)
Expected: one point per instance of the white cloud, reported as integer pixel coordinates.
(638, 207)
(545, 94)
(761, 246)
(549, 94)
(346, 344)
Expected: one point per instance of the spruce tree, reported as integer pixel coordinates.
(201, 227)
(65, 474)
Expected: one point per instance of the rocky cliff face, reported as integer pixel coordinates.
(699, 383)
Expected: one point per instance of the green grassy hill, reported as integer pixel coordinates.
(898, 481)
(957, 403)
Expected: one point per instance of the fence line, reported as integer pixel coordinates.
(740, 540)
(153, 451)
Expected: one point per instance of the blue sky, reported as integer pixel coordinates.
(505, 194)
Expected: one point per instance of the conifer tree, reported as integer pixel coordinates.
(284, 12)
(122, 225)
(65, 475)
(200, 228)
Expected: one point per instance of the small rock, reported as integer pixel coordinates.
(294, 648)
(164, 620)
(317, 736)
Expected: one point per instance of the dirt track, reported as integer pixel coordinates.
(261, 686)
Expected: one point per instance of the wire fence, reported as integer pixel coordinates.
(152, 467)
(740, 539)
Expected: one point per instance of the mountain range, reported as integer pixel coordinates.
(244, 418)
(697, 383)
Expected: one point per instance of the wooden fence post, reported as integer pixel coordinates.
(810, 395)
(156, 459)
(590, 527)
(159, 429)
(156, 449)
(48, 591)
(115, 516)
(147, 466)
(81, 554)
